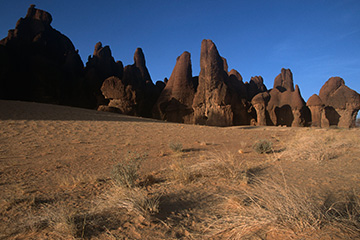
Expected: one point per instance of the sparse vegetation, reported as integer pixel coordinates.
(305, 188)
(133, 200)
(263, 146)
(176, 147)
(126, 173)
(323, 146)
(61, 219)
(273, 207)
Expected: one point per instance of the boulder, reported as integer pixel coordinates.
(122, 98)
(175, 101)
(341, 103)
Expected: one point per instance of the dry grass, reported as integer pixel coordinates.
(176, 146)
(271, 208)
(71, 181)
(224, 165)
(61, 220)
(263, 146)
(125, 173)
(133, 200)
(179, 172)
(320, 146)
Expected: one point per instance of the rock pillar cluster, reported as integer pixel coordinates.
(38, 63)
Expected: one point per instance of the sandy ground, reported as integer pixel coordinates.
(47, 152)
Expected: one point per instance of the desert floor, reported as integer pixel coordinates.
(58, 178)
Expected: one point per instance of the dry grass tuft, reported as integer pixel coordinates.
(133, 200)
(176, 146)
(126, 173)
(180, 172)
(69, 181)
(224, 165)
(59, 219)
(263, 146)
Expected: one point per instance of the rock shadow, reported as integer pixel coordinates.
(284, 116)
(332, 115)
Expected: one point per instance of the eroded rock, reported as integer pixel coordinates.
(175, 101)
(341, 103)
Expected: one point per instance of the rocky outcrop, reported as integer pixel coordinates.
(255, 86)
(212, 101)
(100, 66)
(259, 102)
(40, 64)
(284, 81)
(215, 102)
(341, 103)
(175, 101)
(133, 93)
(240, 106)
(284, 104)
(317, 107)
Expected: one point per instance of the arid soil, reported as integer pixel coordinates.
(197, 182)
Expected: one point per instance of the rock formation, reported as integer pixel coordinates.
(99, 67)
(284, 105)
(255, 86)
(284, 81)
(212, 101)
(217, 101)
(175, 101)
(40, 64)
(133, 93)
(259, 102)
(317, 107)
(341, 103)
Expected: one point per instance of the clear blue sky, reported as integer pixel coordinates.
(316, 39)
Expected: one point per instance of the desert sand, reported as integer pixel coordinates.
(57, 181)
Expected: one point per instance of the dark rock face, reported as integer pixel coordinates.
(341, 103)
(99, 67)
(40, 64)
(133, 93)
(140, 63)
(175, 101)
(284, 104)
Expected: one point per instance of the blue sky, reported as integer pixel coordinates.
(316, 39)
